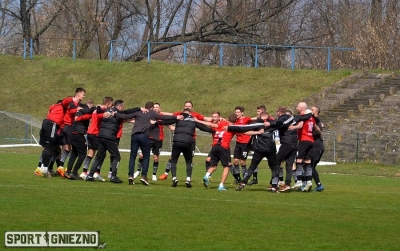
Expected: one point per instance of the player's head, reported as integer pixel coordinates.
(264, 116)
(260, 109)
(215, 116)
(232, 118)
(157, 107)
(239, 110)
(149, 105)
(80, 93)
(301, 107)
(189, 104)
(108, 102)
(119, 104)
(315, 111)
(281, 110)
(90, 103)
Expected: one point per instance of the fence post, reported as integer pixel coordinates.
(357, 145)
(292, 57)
(148, 52)
(26, 130)
(256, 58)
(74, 50)
(31, 48)
(184, 53)
(329, 59)
(24, 55)
(221, 53)
(334, 148)
(111, 51)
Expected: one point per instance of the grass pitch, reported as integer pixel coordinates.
(355, 212)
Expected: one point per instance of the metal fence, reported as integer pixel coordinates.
(220, 54)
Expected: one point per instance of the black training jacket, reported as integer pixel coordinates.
(82, 119)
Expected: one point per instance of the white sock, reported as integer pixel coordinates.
(208, 174)
(166, 173)
(173, 178)
(221, 184)
(188, 178)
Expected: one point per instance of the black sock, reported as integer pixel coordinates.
(255, 176)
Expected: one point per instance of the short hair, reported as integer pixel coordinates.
(118, 102)
(59, 101)
(149, 105)
(261, 107)
(80, 89)
(232, 117)
(107, 100)
(186, 110)
(263, 114)
(216, 112)
(319, 110)
(241, 108)
(282, 109)
(188, 101)
(90, 101)
(157, 104)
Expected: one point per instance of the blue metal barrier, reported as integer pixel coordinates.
(220, 46)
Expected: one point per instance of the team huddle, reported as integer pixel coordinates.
(85, 132)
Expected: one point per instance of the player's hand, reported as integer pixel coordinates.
(266, 123)
(179, 117)
(153, 121)
(144, 110)
(107, 114)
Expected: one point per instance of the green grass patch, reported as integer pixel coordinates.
(355, 212)
(30, 86)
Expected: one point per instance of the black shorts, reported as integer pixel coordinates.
(49, 132)
(304, 150)
(317, 151)
(93, 141)
(218, 153)
(241, 151)
(66, 131)
(155, 146)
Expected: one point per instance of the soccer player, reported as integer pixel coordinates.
(69, 116)
(141, 133)
(306, 141)
(51, 125)
(108, 140)
(220, 150)
(264, 146)
(93, 140)
(318, 149)
(260, 109)
(182, 142)
(155, 146)
(78, 140)
(241, 150)
(288, 148)
(188, 105)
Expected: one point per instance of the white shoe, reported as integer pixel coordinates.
(136, 174)
(97, 176)
(83, 175)
(281, 183)
(154, 177)
(307, 187)
(297, 185)
(109, 175)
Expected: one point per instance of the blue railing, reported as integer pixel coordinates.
(221, 46)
